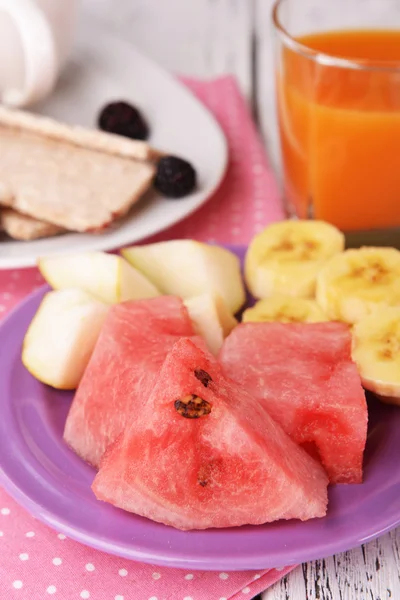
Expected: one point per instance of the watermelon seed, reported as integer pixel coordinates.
(204, 474)
(192, 407)
(203, 377)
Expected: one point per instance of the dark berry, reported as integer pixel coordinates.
(123, 119)
(175, 177)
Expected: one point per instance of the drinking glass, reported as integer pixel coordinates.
(338, 104)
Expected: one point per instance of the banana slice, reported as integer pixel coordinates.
(286, 257)
(376, 351)
(353, 284)
(286, 310)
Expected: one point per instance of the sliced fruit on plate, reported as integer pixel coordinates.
(108, 277)
(286, 257)
(211, 319)
(227, 320)
(134, 341)
(61, 337)
(355, 283)
(187, 268)
(203, 453)
(303, 374)
(285, 309)
(376, 350)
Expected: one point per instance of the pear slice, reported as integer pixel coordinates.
(61, 337)
(107, 276)
(187, 268)
(227, 320)
(211, 319)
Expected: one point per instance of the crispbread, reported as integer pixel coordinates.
(71, 186)
(78, 136)
(22, 227)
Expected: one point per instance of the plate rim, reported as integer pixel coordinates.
(177, 560)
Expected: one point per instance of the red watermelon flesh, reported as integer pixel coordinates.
(134, 341)
(304, 376)
(230, 466)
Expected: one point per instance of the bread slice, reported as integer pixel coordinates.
(78, 136)
(22, 227)
(64, 183)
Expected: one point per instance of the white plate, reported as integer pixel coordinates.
(104, 68)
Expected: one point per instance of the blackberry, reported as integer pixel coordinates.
(123, 119)
(175, 177)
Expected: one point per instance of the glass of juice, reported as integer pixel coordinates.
(338, 101)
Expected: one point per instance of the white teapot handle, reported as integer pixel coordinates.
(39, 50)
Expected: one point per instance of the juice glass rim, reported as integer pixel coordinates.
(327, 59)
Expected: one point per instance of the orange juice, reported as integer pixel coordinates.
(340, 129)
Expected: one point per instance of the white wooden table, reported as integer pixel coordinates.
(206, 38)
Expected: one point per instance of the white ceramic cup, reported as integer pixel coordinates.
(35, 39)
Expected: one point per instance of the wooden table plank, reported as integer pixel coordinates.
(202, 38)
(264, 79)
(371, 572)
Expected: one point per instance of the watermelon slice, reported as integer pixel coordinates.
(133, 343)
(305, 378)
(203, 453)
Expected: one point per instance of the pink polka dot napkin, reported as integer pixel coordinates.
(37, 562)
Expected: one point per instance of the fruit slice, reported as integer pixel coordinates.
(61, 337)
(376, 350)
(227, 320)
(286, 257)
(187, 268)
(355, 283)
(108, 277)
(304, 376)
(211, 319)
(132, 346)
(286, 310)
(203, 453)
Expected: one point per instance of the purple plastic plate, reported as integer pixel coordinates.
(53, 484)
